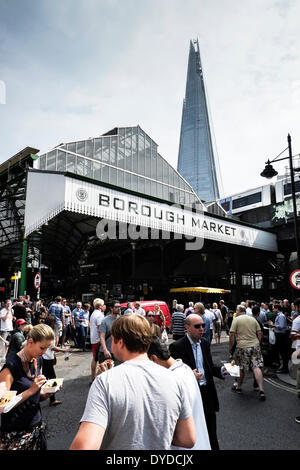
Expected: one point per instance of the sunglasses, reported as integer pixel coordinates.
(198, 325)
(150, 315)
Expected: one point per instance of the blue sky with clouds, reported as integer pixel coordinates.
(77, 68)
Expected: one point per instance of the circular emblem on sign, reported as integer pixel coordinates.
(81, 194)
(295, 279)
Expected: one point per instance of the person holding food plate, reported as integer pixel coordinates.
(21, 427)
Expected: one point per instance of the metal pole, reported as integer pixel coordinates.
(23, 267)
(294, 200)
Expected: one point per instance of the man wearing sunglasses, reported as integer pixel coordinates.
(194, 350)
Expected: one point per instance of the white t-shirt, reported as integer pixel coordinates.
(49, 354)
(191, 388)
(95, 322)
(140, 311)
(249, 312)
(296, 327)
(217, 314)
(138, 403)
(211, 317)
(6, 325)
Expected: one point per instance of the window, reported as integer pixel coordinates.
(141, 185)
(141, 158)
(61, 161)
(97, 171)
(89, 148)
(98, 149)
(113, 150)
(121, 150)
(246, 200)
(113, 176)
(72, 147)
(105, 174)
(135, 153)
(43, 162)
(159, 168)
(71, 163)
(121, 178)
(134, 182)
(51, 160)
(287, 188)
(80, 148)
(105, 149)
(128, 150)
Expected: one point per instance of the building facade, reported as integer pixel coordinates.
(162, 235)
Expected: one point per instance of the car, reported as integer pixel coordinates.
(149, 305)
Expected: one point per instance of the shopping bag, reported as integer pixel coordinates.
(164, 336)
(272, 337)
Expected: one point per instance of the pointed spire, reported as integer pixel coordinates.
(196, 159)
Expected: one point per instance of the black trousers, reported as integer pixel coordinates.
(210, 418)
(49, 372)
(282, 347)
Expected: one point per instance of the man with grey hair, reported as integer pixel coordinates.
(178, 322)
(190, 309)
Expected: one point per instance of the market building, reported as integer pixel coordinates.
(109, 216)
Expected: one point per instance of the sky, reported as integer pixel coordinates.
(74, 69)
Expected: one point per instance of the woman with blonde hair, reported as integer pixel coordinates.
(218, 323)
(21, 427)
(159, 318)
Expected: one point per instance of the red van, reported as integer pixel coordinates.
(149, 305)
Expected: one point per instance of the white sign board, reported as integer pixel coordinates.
(65, 193)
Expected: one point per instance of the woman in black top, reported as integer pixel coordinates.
(21, 427)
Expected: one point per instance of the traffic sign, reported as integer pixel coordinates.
(37, 281)
(295, 279)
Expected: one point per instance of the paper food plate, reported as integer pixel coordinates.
(295, 358)
(12, 401)
(49, 386)
(233, 370)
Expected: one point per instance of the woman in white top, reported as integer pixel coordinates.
(218, 323)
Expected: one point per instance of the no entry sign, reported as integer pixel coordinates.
(37, 281)
(295, 279)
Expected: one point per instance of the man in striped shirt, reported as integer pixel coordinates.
(178, 323)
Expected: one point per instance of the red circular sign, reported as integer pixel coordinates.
(37, 281)
(295, 279)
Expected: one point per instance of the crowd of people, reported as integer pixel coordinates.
(146, 362)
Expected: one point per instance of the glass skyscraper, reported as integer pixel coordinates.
(197, 161)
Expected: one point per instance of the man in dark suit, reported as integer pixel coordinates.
(195, 352)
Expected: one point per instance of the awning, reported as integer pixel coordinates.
(204, 290)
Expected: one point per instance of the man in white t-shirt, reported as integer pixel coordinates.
(139, 309)
(212, 319)
(6, 316)
(95, 322)
(127, 406)
(160, 354)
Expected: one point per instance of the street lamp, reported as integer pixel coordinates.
(269, 172)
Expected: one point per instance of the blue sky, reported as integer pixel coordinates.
(75, 69)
